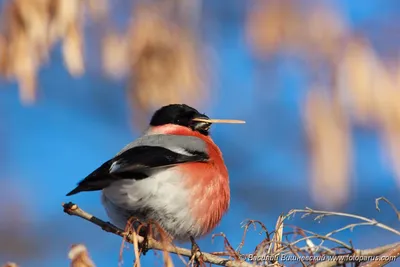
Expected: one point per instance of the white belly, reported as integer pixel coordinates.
(161, 198)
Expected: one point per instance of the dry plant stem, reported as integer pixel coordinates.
(322, 214)
(293, 250)
(135, 248)
(350, 226)
(246, 228)
(323, 238)
(389, 203)
(74, 210)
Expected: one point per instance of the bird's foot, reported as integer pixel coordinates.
(142, 230)
(197, 255)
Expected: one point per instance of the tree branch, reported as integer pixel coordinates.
(74, 210)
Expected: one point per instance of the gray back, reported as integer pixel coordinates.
(173, 142)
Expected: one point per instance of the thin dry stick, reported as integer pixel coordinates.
(322, 237)
(389, 203)
(246, 228)
(321, 214)
(310, 244)
(228, 247)
(349, 226)
(74, 210)
(135, 248)
(293, 250)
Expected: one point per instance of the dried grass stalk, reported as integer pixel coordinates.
(115, 61)
(371, 93)
(98, 9)
(166, 62)
(330, 150)
(356, 73)
(29, 30)
(364, 88)
(73, 50)
(277, 239)
(273, 25)
(161, 56)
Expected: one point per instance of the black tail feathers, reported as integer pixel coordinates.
(77, 190)
(91, 184)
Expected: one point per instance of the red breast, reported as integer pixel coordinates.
(207, 182)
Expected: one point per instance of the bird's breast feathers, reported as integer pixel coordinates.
(182, 206)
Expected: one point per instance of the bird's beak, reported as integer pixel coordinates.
(217, 120)
(203, 124)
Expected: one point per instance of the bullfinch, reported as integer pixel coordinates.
(174, 175)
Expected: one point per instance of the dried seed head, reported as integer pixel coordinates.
(29, 30)
(166, 62)
(330, 150)
(79, 256)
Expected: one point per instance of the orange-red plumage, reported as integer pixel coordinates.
(207, 182)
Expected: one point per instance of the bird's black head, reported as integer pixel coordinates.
(181, 114)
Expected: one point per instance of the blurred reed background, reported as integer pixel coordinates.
(317, 82)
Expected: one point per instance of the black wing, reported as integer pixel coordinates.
(135, 163)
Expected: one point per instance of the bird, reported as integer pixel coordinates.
(174, 175)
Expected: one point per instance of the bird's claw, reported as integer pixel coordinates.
(195, 250)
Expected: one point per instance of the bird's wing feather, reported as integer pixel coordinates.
(142, 158)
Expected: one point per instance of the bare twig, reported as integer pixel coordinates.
(322, 238)
(322, 214)
(389, 203)
(246, 228)
(293, 250)
(74, 210)
(228, 246)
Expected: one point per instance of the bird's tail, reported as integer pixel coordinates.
(87, 185)
(95, 181)
(75, 191)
